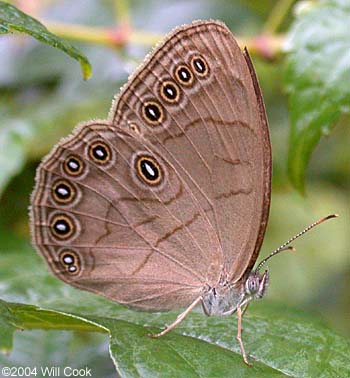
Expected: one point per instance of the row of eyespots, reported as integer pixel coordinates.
(70, 261)
(65, 192)
(152, 111)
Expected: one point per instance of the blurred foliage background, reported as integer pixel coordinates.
(43, 96)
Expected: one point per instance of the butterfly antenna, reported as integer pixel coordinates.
(286, 246)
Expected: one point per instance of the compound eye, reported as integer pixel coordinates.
(253, 286)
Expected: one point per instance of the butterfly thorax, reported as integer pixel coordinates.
(226, 297)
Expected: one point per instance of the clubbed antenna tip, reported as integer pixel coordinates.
(284, 247)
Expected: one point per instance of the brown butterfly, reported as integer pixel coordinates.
(165, 204)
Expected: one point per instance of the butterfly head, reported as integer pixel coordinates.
(256, 284)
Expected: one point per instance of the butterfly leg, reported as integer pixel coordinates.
(245, 309)
(178, 320)
(239, 335)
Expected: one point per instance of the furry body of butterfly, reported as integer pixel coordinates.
(165, 204)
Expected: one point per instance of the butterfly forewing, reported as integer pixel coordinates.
(214, 133)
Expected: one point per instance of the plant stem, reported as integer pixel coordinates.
(277, 16)
(80, 32)
(122, 12)
(265, 45)
(112, 37)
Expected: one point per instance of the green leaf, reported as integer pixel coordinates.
(8, 321)
(12, 19)
(14, 135)
(317, 78)
(283, 341)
